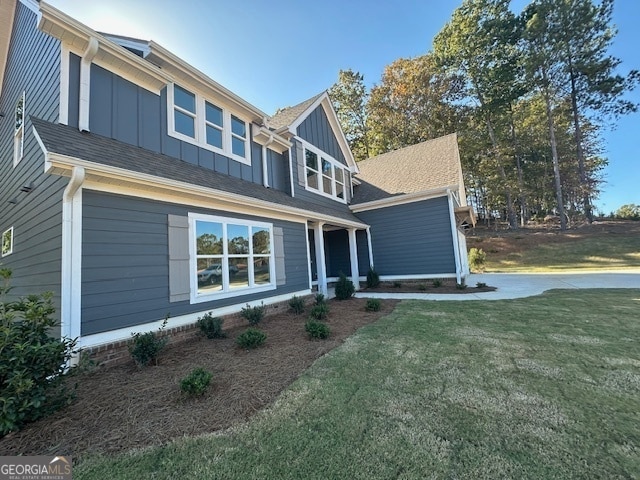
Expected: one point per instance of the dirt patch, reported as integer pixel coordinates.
(447, 286)
(124, 407)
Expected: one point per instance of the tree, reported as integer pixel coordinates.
(349, 97)
(630, 211)
(414, 102)
(479, 44)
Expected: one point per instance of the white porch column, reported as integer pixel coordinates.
(353, 255)
(321, 266)
(369, 246)
(454, 236)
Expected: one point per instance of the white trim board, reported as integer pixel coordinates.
(400, 199)
(121, 334)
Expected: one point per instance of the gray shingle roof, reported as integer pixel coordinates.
(428, 165)
(286, 116)
(91, 147)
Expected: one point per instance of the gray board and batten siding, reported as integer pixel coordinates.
(412, 239)
(125, 262)
(121, 110)
(33, 67)
(317, 130)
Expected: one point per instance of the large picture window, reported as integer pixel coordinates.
(324, 174)
(230, 256)
(196, 120)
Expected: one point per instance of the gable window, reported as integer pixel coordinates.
(230, 257)
(324, 174)
(18, 136)
(196, 120)
(7, 242)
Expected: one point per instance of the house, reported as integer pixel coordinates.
(135, 187)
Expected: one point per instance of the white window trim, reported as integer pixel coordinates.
(200, 126)
(334, 163)
(10, 230)
(226, 292)
(18, 135)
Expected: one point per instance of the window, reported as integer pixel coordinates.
(324, 174)
(198, 121)
(18, 136)
(230, 256)
(7, 242)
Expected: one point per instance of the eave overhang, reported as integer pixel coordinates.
(402, 199)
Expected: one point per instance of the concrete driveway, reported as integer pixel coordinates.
(519, 285)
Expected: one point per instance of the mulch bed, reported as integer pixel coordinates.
(448, 286)
(125, 407)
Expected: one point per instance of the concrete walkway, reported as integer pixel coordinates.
(517, 285)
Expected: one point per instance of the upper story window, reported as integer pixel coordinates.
(18, 136)
(324, 174)
(194, 119)
(7, 242)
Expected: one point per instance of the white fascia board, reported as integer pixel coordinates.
(95, 171)
(401, 199)
(264, 136)
(110, 55)
(325, 101)
(205, 84)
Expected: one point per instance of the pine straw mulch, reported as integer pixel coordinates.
(125, 407)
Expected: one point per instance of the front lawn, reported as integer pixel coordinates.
(544, 387)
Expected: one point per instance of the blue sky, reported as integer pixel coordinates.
(281, 52)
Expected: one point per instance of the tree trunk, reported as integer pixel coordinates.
(554, 154)
(511, 214)
(584, 183)
(524, 214)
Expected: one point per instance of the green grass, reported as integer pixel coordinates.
(544, 387)
(589, 254)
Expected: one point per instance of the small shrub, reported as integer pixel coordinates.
(477, 259)
(461, 285)
(397, 284)
(32, 363)
(211, 326)
(317, 329)
(437, 283)
(319, 311)
(373, 305)
(251, 338)
(373, 279)
(422, 287)
(196, 382)
(296, 305)
(147, 346)
(344, 287)
(481, 285)
(253, 315)
(319, 298)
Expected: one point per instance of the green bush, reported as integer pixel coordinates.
(251, 338)
(437, 283)
(296, 304)
(146, 347)
(317, 329)
(196, 382)
(344, 287)
(373, 305)
(461, 286)
(319, 298)
(211, 326)
(422, 287)
(373, 279)
(477, 259)
(319, 311)
(481, 285)
(32, 363)
(253, 315)
(397, 284)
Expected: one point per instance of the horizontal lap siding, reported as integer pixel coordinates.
(33, 66)
(412, 239)
(125, 262)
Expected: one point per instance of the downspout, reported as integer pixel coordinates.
(85, 84)
(454, 236)
(293, 192)
(265, 173)
(71, 267)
